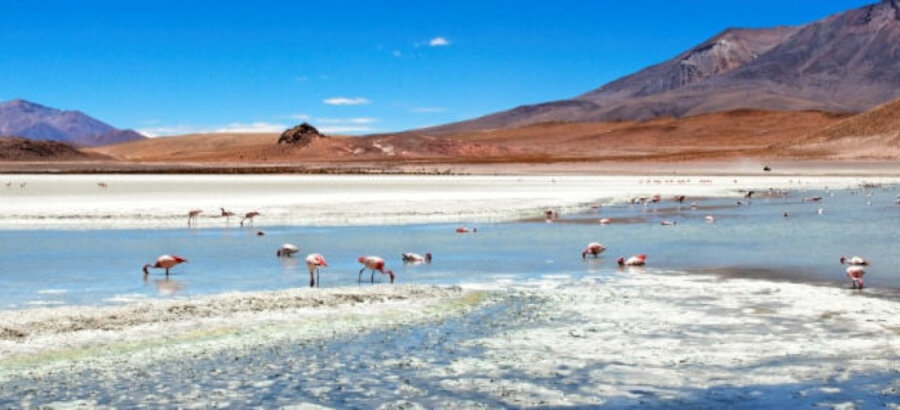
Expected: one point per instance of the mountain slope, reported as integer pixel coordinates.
(873, 134)
(848, 62)
(25, 119)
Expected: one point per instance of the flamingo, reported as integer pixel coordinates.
(466, 229)
(226, 214)
(855, 273)
(593, 248)
(164, 262)
(637, 260)
(250, 215)
(680, 198)
(314, 261)
(374, 263)
(605, 221)
(854, 260)
(102, 185)
(287, 250)
(666, 222)
(710, 218)
(192, 216)
(812, 199)
(416, 258)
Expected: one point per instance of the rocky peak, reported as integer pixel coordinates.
(301, 135)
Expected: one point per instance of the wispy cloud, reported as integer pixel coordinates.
(427, 110)
(235, 127)
(346, 101)
(345, 129)
(438, 42)
(397, 53)
(357, 120)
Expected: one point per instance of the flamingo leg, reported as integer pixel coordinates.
(318, 281)
(373, 276)
(312, 281)
(360, 274)
(167, 271)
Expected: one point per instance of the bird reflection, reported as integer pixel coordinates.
(167, 286)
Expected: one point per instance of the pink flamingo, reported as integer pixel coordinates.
(593, 248)
(410, 257)
(192, 216)
(466, 229)
(855, 273)
(314, 261)
(374, 263)
(250, 215)
(854, 260)
(637, 260)
(226, 214)
(287, 250)
(605, 221)
(164, 262)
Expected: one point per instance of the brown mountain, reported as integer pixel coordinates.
(872, 134)
(848, 62)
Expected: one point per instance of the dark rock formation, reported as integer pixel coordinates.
(23, 149)
(300, 136)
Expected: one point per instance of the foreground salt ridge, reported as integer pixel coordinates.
(162, 201)
(680, 339)
(637, 338)
(96, 337)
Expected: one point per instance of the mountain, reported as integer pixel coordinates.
(872, 134)
(846, 63)
(25, 119)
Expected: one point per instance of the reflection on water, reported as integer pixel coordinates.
(167, 286)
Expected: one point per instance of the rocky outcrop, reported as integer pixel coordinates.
(300, 136)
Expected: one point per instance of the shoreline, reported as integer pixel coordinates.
(737, 167)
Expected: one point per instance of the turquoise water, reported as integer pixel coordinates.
(97, 267)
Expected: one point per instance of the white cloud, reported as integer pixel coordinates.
(438, 42)
(236, 127)
(346, 101)
(345, 129)
(252, 127)
(298, 117)
(397, 53)
(358, 120)
(427, 110)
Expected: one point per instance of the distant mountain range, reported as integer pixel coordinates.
(20, 118)
(848, 62)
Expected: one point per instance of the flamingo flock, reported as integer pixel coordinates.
(375, 264)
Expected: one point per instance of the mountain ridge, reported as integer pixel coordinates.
(21, 118)
(844, 63)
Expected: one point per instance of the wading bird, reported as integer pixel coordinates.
(374, 263)
(855, 273)
(854, 260)
(226, 214)
(593, 248)
(287, 250)
(249, 216)
(637, 260)
(314, 261)
(192, 216)
(164, 262)
(466, 229)
(410, 257)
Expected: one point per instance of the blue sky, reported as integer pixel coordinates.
(172, 67)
